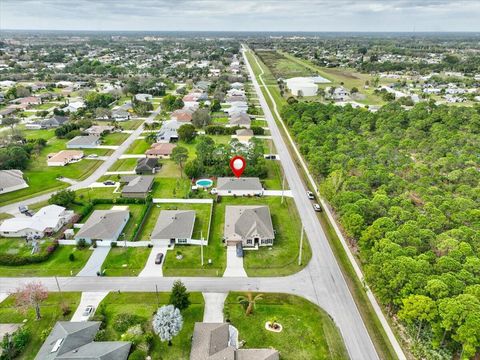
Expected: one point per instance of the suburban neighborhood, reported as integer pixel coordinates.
(237, 195)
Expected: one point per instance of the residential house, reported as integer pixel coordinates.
(147, 166)
(143, 97)
(120, 114)
(29, 101)
(103, 225)
(64, 157)
(47, 220)
(169, 131)
(8, 111)
(237, 85)
(243, 186)
(236, 108)
(174, 227)
(11, 180)
(137, 186)
(250, 226)
(339, 94)
(244, 135)
(182, 115)
(74, 106)
(212, 341)
(50, 123)
(84, 142)
(239, 119)
(160, 150)
(302, 86)
(99, 129)
(71, 340)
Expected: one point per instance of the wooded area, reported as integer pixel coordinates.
(405, 185)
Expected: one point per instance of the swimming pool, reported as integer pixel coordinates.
(205, 183)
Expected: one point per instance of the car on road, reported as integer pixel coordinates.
(270, 157)
(159, 258)
(310, 195)
(317, 207)
(109, 182)
(88, 310)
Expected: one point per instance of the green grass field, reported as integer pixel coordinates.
(51, 313)
(122, 261)
(128, 303)
(138, 147)
(170, 187)
(124, 165)
(57, 265)
(42, 178)
(130, 124)
(308, 332)
(116, 138)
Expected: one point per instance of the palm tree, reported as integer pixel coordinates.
(249, 301)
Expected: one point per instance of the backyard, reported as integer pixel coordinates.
(303, 324)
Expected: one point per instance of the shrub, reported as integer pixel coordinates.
(113, 244)
(137, 355)
(101, 335)
(81, 244)
(16, 260)
(71, 257)
(123, 321)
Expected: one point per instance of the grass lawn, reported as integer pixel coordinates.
(125, 261)
(42, 178)
(274, 179)
(135, 218)
(130, 124)
(139, 146)
(58, 264)
(128, 303)
(116, 138)
(45, 106)
(170, 187)
(303, 323)
(282, 258)
(124, 165)
(51, 313)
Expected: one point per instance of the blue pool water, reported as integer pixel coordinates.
(204, 183)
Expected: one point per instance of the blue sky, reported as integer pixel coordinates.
(242, 15)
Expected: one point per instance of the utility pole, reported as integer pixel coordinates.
(156, 292)
(201, 246)
(59, 290)
(301, 246)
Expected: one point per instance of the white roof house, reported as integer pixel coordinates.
(11, 180)
(74, 106)
(48, 219)
(302, 86)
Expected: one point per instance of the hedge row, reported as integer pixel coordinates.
(15, 260)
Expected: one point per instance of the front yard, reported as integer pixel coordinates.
(116, 304)
(116, 138)
(308, 332)
(51, 313)
(122, 261)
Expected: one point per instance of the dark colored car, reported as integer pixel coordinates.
(159, 258)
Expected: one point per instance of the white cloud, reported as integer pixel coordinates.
(244, 15)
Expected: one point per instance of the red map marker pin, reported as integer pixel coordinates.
(238, 164)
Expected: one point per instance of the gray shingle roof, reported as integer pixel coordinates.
(243, 183)
(103, 224)
(10, 178)
(247, 222)
(174, 224)
(211, 341)
(77, 343)
(240, 119)
(138, 184)
(84, 140)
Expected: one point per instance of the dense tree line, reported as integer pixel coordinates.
(405, 186)
(17, 155)
(214, 159)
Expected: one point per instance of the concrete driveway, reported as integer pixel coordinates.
(234, 264)
(95, 262)
(88, 298)
(151, 269)
(214, 302)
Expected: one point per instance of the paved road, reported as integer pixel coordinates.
(331, 290)
(100, 171)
